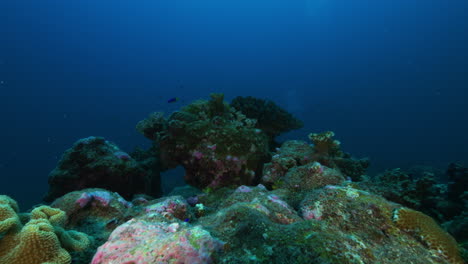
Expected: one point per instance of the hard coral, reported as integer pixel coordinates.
(152, 125)
(169, 207)
(325, 145)
(217, 145)
(94, 162)
(328, 152)
(429, 231)
(272, 119)
(41, 240)
(141, 241)
(94, 211)
(292, 165)
(36, 243)
(398, 186)
(8, 214)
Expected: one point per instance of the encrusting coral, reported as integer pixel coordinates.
(430, 233)
(40, 240)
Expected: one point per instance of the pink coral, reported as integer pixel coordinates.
(102, 197)
(84, 199)
(139, 241)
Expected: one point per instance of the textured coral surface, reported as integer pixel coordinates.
(41, 240)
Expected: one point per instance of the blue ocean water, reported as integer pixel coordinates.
(389, 77)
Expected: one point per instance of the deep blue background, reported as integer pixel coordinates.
(389, 77)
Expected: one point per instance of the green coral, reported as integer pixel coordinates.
(151, 126)
(327, 151)
(271, 118)
(216, 107)
(325, 145)
(211, 139)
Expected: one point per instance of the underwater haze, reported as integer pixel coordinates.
(390, 78)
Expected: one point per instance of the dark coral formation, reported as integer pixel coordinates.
(271, 118)
(423, 192)
(447, 202)
(300, 166)
(327, 151)
(398, 186)
(217, 145)
(94, 162)
(457, 188)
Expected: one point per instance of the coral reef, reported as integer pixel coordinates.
(248, 202)
(41, 240)
(217, 145)
(94, 162)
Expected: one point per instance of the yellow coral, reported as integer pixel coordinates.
(36, 243)
(40, 240)
(72, 240)
(429, 231)
(6, 200)
(53, 215)
(8, 214)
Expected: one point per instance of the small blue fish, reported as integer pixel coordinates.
(173, 100)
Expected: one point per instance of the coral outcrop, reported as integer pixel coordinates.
(398, 186)
(299, 166)
(94, 162)
(216, 144)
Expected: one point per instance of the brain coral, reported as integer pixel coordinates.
(40, 240)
